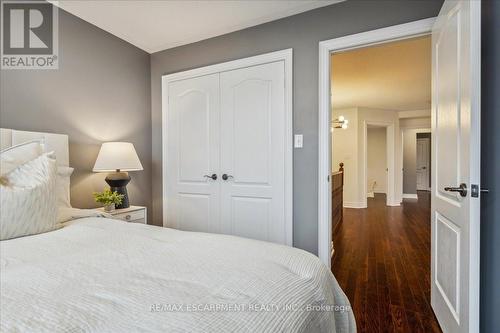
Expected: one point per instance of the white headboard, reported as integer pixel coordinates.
(53, 142)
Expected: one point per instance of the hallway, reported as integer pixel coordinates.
(382, 262)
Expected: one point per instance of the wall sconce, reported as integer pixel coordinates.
(339, 122)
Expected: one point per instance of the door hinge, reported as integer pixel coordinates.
(328, 178)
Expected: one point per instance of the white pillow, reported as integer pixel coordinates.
(28, 201)
(12, 157)
(63, 186)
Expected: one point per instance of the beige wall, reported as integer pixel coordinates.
(348, 146)
(420, 122)
(344, 144)
(377, 159)
(390, 118)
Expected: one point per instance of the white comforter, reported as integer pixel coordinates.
(104, 275)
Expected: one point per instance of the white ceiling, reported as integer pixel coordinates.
(158, 25)
(394, 76)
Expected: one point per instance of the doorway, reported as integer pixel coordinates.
(416, 160)
(377, 255)
(326, 48)
(424, 161)
(378, 153)
(456, 132)
(376, 160)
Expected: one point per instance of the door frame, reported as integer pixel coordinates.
(286, 56)
(390, 151)
(326, 48)
(429, 161)
(418, 129)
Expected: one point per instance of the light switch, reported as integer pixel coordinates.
(299, 141)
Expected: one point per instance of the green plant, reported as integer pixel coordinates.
(108, 197)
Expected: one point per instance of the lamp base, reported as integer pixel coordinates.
(117, 182)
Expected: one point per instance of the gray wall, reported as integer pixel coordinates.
(101, 92)
(490, 168)
(302, 33)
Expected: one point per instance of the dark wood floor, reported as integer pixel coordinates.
(382, 261)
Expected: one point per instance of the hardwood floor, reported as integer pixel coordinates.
(382, 261)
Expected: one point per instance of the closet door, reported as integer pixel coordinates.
(193, 154)
(253, 152)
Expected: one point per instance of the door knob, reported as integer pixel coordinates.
(462, 189)
(213, 176)
(226, 176)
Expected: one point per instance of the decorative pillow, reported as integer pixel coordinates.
(62, 186)
(12, 157)
(28, 198)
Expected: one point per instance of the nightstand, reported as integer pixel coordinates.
(134, 214)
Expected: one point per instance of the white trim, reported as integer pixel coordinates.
(475, 165)
(283, 55)
(397, 32)
(410, 196)
(287, 57)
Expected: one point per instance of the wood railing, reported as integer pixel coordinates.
(337, 199)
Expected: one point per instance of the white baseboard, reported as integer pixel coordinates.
(354, 204)
(409, 196)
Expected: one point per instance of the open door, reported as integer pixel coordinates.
(456, 160)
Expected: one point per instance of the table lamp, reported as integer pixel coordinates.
(118, 158)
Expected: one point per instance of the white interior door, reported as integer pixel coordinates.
(253, 152)
(423, 164)
(193, 154)
(231, 121)
(456, 148)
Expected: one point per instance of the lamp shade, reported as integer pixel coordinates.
(117, 156)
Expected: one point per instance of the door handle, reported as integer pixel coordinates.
(226, 176)
(213, 176)
(462, 189)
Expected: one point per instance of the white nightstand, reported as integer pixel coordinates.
(134, 214)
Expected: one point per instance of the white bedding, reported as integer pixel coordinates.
(104, 275)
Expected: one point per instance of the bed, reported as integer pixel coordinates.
(97, 274)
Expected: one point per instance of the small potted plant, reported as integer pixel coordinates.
(109, 199)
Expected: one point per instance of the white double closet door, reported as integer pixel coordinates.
(225, 165)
